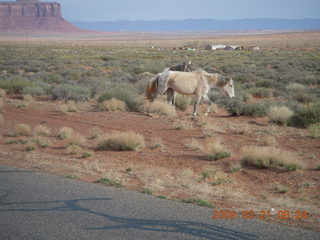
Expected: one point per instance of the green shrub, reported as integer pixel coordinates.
(306, 116)
(109, 182)
(234, 106)
(255, 109)
(125, 95)
(265, 83)
(22, 141)
(86, 154)
(247, 96)
(54, 78)
(237, 107)
(218, 155)
(70, 92)
(15, 86)
(246, 77)
(314, 130)
(304, 97)
(261, 92)
(33, 91)
(199, 202)
(182, 102)
(147, 191)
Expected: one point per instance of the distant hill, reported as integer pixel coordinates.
(34, 16)
(203, 25)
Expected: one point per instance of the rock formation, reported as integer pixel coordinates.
(33, 15)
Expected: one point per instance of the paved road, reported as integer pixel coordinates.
(40, 206)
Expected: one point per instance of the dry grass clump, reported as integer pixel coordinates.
(244, 129)
(121, 141)
(219, 178)
(73, 150)
(86, 154)
(70, 106)
(214, 177)
(280, 188)
(279, 115)
(235, 167)
(214, 150)
(269, 140)
(182, 125)
(95, 132)
(41, 130)
(295, 87)
(1, 105)
(2, 92)
(162, 108)
(113, 105)
(76, 139)
(27, 98)
(193, 144)
(22, 129)
(42, 142)
(211, 127)
(31, 146)
(65, 132)
(156, 143)
(271, 157)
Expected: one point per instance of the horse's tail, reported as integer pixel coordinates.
(157, 85)
(151, 87)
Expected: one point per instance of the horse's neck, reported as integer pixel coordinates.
(212, 78)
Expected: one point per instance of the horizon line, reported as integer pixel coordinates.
(195, 19)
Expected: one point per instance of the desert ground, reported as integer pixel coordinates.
(174, 160)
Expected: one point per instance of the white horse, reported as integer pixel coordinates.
(152, 86)
(196, 83)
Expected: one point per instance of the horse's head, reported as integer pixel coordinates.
(229, 88)
(187, 66)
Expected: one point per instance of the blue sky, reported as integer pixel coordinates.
(111, 10)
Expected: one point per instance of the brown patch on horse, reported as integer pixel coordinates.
(151, 88)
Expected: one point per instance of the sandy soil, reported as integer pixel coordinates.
(173, 170)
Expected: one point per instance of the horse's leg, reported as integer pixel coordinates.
(171, 96)
(196, 105)
(207, 99)
(174, 98)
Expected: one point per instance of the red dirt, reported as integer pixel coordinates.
(250, 188)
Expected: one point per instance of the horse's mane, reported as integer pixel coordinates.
(218, 79)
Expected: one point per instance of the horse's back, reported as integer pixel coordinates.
(185, 82)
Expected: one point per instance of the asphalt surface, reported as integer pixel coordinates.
(40, 206)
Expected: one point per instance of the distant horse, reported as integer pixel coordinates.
(152, 86)
(196, 83)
